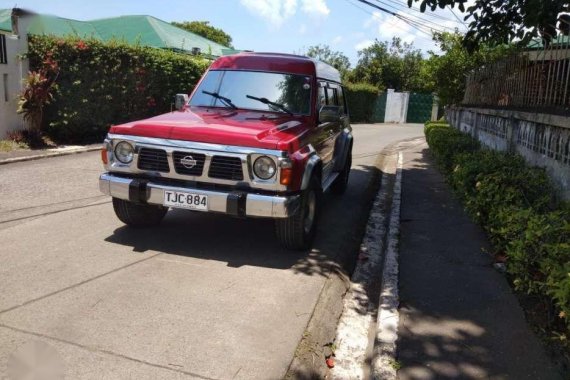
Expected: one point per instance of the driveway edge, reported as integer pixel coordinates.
(49, 155)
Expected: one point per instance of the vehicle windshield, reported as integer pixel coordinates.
(255, 90)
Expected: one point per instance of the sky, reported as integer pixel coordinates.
(288, 26)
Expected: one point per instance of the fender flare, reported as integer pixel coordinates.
(344, 147)
(313, 165)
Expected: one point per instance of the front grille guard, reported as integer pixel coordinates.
(243, 155)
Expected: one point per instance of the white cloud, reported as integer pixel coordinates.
(386, 27)
(302, 29)
(363, 44)
(276, 12)
(315, 7)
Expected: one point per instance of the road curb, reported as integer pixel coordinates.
(322, 326)
(384, 365)
(49, 155)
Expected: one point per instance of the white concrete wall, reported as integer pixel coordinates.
(11, 76)
(396, 106)
(541, 139)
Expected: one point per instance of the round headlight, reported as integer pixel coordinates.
(264, 167)
(124, 152)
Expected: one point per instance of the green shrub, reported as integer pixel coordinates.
(447, 143)
(539, 259)
(361, 99)
(99, 84)
(517, 207)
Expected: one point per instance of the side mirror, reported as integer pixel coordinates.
(329, 114)
(180, 101)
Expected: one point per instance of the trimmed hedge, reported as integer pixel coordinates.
(98, 84)
(361, 99)
(516, 205)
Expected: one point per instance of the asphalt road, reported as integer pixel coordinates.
(201, 296)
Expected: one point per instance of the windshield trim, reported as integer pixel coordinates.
(309, 114)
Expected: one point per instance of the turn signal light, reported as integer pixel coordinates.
(104, 156)
(286, 176)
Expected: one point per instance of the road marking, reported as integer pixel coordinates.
(352, 338)
(384, 359)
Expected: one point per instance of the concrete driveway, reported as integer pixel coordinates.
(202, 296)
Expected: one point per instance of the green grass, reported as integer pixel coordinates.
(9, 146)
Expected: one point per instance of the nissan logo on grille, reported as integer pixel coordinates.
(188, 162)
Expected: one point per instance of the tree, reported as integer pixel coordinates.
(334, 58)
(496, 22)
(448, 71)
(394, 65)
(204, 29)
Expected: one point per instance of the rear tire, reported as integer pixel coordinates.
(298, 231)
(341, 182)
(138, 215)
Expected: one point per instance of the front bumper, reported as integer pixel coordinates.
(237, 203)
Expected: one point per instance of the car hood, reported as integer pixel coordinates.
(268, 130)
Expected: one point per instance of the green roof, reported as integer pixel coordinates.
(57, 26)
(150, 31)
(6, 20)
(561, 40)
(143, 30)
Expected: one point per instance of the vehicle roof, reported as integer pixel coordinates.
(277, 62)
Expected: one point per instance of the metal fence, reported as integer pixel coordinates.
(535, 79)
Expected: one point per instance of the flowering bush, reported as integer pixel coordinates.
(104, 83)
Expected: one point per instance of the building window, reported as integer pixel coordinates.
(3, 55)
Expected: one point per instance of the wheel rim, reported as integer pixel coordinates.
(310, 211)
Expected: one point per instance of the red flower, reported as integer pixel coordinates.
(81, 45)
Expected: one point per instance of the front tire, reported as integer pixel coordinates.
(138, 215)
(298, 231)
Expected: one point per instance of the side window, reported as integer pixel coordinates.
(322, 99)
(332, 96)
(341, 100)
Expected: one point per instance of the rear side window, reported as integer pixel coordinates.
(331, 94)
(322, 99)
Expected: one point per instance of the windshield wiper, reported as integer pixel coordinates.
(270, 103)
(227, 101)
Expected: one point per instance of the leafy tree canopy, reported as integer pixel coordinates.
(204, 29)
(396, 65)
(334, 58)
(447, 71)
(497, 22)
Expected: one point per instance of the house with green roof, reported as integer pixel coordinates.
(16, 24)
(13, 67)
(135, 29)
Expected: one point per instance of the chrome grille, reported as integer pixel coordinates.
(153, 160)
(223, 167)
(181, 169)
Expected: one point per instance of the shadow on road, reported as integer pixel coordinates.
(459, 318)
(251, 242)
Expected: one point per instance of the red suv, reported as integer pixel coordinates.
(262, 135)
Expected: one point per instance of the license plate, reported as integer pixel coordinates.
(182, 199)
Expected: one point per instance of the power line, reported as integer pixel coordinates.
(413, 23)
(428, 34)
(457, 17)
(428, 23)
(405, 7)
